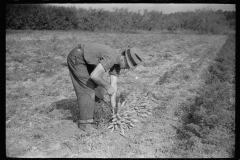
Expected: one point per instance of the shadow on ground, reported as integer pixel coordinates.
(70, 111)
(69, 105)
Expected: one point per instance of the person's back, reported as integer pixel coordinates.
(95, 53)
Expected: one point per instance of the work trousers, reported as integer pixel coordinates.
(87, 91)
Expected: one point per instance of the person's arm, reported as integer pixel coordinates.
(113, 96)
(96, 76)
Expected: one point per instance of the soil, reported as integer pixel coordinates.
(170, 75)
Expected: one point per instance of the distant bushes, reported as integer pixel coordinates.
(208, 123)
(40, 17)
(47, 17)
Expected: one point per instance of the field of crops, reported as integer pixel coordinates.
(41, 108)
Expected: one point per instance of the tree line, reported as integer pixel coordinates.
(48, 17)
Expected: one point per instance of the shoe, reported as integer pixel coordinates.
(87, 127)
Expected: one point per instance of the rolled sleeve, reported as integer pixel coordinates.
(107, 62)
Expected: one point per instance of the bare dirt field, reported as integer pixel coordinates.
(41, 108)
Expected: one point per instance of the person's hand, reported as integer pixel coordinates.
(110, 90)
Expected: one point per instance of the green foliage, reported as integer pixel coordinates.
(211, 116)
(47, 17)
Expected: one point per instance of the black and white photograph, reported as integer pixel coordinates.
(120, 80)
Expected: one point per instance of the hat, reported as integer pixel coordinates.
(133, 56)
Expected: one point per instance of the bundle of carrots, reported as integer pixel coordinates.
(121, 120)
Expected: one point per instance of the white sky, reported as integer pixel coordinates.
(165, 8)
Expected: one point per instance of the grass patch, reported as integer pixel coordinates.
(208, 123)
